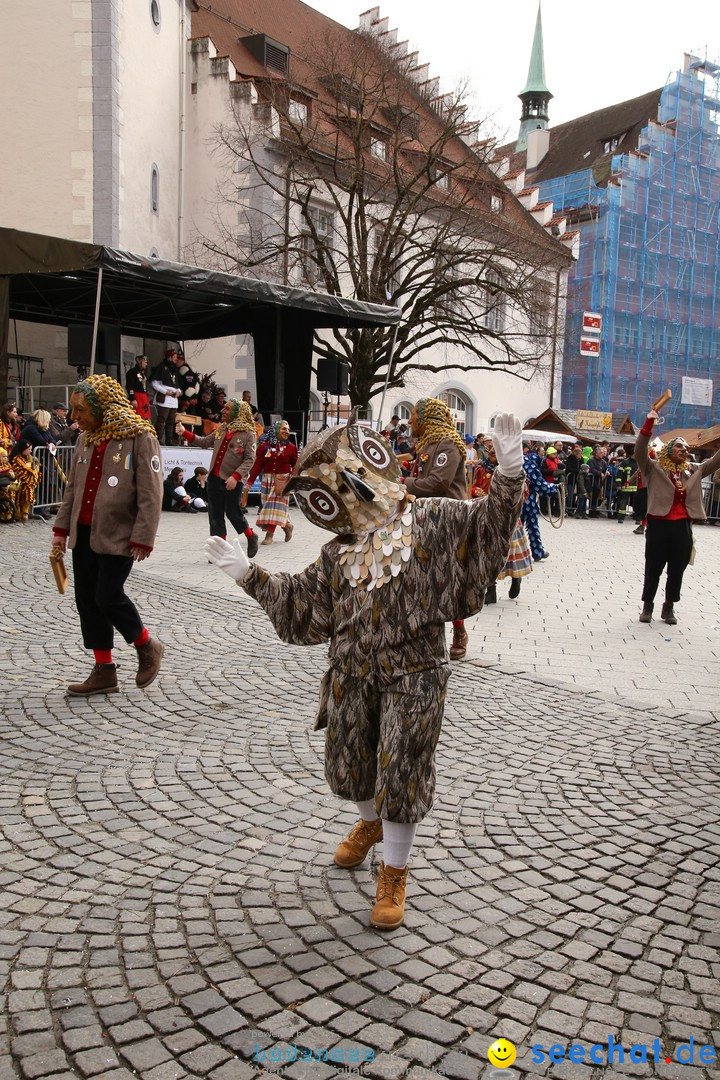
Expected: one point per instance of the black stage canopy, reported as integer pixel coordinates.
(47, 279)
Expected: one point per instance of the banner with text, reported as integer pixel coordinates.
(184, 457)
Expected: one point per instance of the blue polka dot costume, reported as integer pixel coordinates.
(530, 512)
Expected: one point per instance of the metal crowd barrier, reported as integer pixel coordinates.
(54, 471)
(711, 499)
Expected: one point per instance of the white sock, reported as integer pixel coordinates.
(398, 837)
(367, 810)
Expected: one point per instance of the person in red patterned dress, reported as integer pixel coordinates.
(275, 459)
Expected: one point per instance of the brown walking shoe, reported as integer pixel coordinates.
(101, 680)
(389, 909)
(354, 848)
(288, 531)
(149, 657)
(459, 643)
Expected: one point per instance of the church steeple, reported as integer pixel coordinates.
(536, 96)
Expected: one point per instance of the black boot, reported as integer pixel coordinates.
(646, 613)
(514, 588)
(491, 595)
(667, 614)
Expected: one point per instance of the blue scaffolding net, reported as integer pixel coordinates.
(649, 260)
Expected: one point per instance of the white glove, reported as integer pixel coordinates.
(507, 440)
(230, 558)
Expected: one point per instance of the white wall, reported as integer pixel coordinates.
(46, 167)
(149, 79)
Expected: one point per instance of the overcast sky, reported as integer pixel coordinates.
(595, 54)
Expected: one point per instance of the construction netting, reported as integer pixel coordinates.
(649, 262)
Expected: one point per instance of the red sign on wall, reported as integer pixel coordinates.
(592, 322)
(589, 346)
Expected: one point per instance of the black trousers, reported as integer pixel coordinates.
(100, 595)
(222, 502)
(666, 543)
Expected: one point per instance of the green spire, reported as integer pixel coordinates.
(536, 96)
(536, 71)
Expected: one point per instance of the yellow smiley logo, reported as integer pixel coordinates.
(502, 1053)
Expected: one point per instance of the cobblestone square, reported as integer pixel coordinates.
(168, 902)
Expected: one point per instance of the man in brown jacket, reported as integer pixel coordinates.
(109, 517)
(674, 499)
(233, 444)
(439, 470)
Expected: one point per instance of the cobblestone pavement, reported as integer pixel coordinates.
(168, 902)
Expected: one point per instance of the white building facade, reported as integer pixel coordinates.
(116, 109)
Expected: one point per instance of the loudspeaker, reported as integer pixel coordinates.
(332, 376)
(107, 350)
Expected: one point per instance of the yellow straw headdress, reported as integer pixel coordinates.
(437, 421)
(241, 418)
(109, 402)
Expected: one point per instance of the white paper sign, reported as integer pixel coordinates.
(696, 391)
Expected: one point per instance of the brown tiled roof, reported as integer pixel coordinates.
(541, 206)
(557, 218)
(578, 144)
(526, 191)
(301, 28)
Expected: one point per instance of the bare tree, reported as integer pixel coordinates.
(366, 186)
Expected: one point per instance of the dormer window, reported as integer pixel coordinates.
(270, 53)
(612, 143)
(379, 148)
(348, 93)
(298, 111)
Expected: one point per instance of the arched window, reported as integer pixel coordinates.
(403, 410)
(155, 189)
(458, 407)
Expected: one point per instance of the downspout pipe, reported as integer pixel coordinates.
(181, 136)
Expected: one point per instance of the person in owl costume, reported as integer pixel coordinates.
(381, 592)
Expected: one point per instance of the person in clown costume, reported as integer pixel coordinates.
(381, 592)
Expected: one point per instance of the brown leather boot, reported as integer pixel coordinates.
(288, 531)
(149, 657)
(459, 643)
(389, 909)
(357, 843)
(646, 613)
(101, 680)
(668, 613)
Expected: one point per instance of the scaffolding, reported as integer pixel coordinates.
(649, 259)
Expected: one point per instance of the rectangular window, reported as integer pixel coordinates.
(496, 301)
(314, 255)
(379, 148)
(540, 303)
(298, 112)
(496, 203)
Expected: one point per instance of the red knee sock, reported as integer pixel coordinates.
(458, 622)
(143, 638)
(248, 532)
(103, 656)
